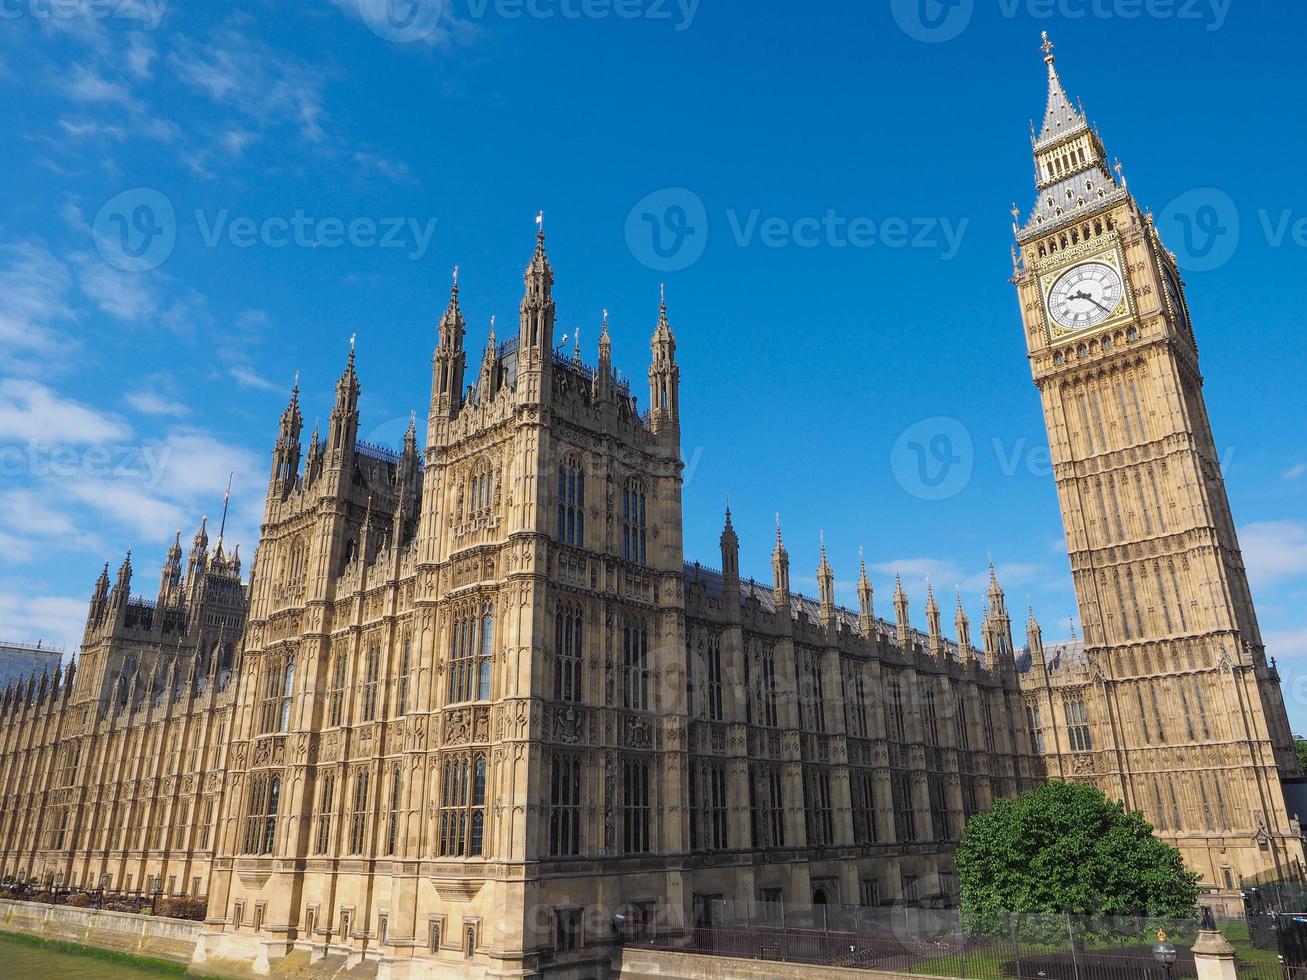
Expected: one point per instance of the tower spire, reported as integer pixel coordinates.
(449, 362)
(866, 615)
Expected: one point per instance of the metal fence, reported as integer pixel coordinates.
(933, 942)
(173, 906)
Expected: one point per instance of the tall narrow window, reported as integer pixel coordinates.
(636, 810)
(1077, 723)
(1036, 728)
(462, 807)
(896, 728)
(633, 522)
(567, 653)
(358, 825)
(261, 814)
(635, 667)
(472, 644)
(939, 814)
(371, 681)
(405, 665)
(487, 651)
(905, 817)
(817, 808)
(326, 803)
(864, 807)
(964, 736)
(392, 823)
(859, 705)
(287, 687)
(340, 671)
(932, 717)
(713, 656)
(571, 503)
(565, 807)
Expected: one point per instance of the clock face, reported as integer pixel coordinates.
(1085, 296)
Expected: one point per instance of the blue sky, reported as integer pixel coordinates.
(202, 200)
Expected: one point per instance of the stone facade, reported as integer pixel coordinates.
(482, 703)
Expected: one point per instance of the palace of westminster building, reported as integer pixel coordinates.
(472, 700)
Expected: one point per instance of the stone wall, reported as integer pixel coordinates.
(141, 935)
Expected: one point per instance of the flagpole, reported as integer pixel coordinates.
(225, 497)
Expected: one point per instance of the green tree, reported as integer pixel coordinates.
(1065, 848)
(1300, 745)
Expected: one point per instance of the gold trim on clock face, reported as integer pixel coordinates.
(1085, 296)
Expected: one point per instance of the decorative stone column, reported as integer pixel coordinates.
(1213, 954)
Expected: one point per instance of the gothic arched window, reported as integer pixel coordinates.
(633, 522)
(567, 653)
(571, 503)
(635, 666)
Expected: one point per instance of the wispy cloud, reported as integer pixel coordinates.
(1274, 551)
(1295, 472)
(270, 87)
(35, 286)
(32, 412)
(155, 403)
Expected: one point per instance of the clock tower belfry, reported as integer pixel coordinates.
(1186, 715)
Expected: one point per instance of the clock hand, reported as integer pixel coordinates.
(1083, 295)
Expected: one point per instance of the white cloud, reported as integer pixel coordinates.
(128, 296)
(86, 84)
(155, 403)
(56, 620)
(35, 287)
(269, 87)
(31, 412)
(1274, 551)
(1295, 472)
(1287, 644)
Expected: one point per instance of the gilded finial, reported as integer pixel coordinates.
(352, 338)
(1048, 47)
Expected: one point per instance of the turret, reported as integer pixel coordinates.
(1034, 637)
(780, 566)
(730, 544)
(449, 361)
(99, 599)
(171, 575)
(664, 376)
(866, 611)
(934, 625)
(122, 589)
(826, 588)
(901, 615)
(998, 625)
(966, 652)
(342, 428)
(604, 374)
(488, 381)
(286, 453)
(536, 325)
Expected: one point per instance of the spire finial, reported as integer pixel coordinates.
(778, 527)
(540, 226)
(1048, 47)
(352, 338)
(296, 386)
(455, 277)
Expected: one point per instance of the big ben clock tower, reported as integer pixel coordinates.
(1185, 717)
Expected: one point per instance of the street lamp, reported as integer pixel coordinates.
(1164, 953)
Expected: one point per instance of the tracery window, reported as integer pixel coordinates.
(567, 653)
(636, 809)
(261, 813)
(481, 489)
(635, 667)
(392, 822)
(339, 673)
(326, 802)
(1077, 723)
(472, 645)
(1036, 727)
(864, 807)
(817, 808)
(358, 824)
(278, 683)
(371, 680)
(405, 665)
(565, 806)
(905, 816)
(894, 720)
(571, 503)
(633, 522)
(713, 664)
(463, 806)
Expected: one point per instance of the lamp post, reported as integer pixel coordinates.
(1164, 953)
